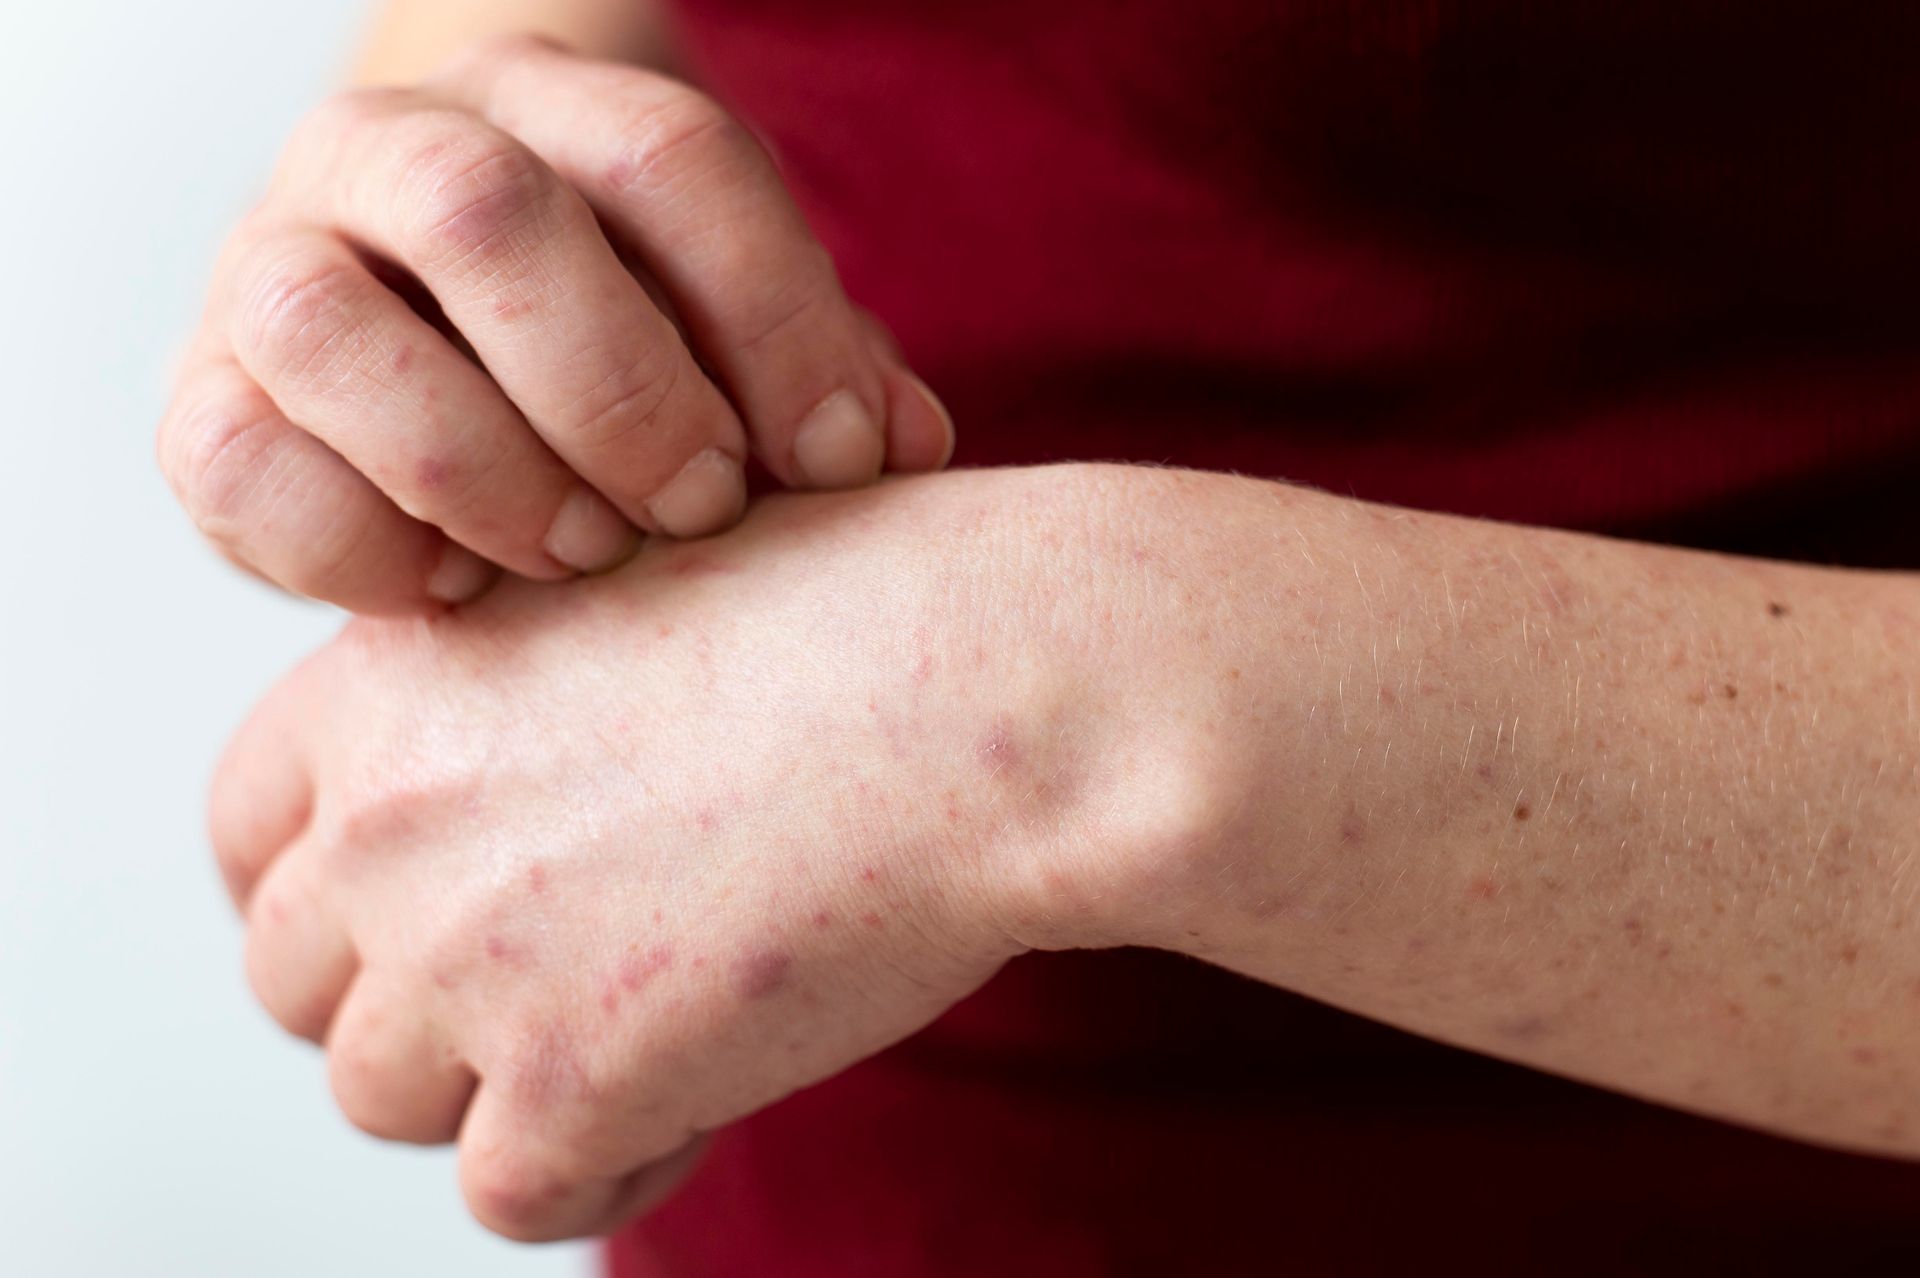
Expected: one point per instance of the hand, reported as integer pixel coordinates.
(582, 872)
(510, 316)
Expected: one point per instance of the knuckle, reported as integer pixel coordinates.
(474, 196)
(216, 452)
(296, 311)
(675, 134)
(300, 1013)
(513, 1198)
(624, 409)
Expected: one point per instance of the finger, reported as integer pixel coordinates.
(701, 204)
(261, 798)
(520, 1183)
(394, 1073)
(299, 958)
(281, 503)
(349, 361)
(522, 270)
(919, 428)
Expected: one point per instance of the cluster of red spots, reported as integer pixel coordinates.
(636, 970)
(761, 973)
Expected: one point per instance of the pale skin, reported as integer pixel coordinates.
(578, 872)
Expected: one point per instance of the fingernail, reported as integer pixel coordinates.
(460, 575)
(707, 495)
(588, 534)
(940, 410)
(838, 446)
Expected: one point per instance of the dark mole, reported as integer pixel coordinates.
(1773, 980)
(1775, 609)
(1730, 692)
(1849, 954)
(1521, 811)
(761, 973)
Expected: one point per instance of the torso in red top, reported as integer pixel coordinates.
(1635, 266)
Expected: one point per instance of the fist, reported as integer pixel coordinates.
(514, 318)
(578, 874)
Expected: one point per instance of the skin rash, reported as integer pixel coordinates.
(677, 841)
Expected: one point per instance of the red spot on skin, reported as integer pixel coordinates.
(867, 873)
(953, 813)
(923, 670)
(761, 973)
(1353, 831)
(1484, 772)
(1633, 928)
(537, 879)
(659, 915)
(1736, 1011)
(1664, 950)
(444, 980)
(432, 474)
(664, 632)
(700, 961)
(276, 910)
(822, 919)
(1387, 698)
(1866, 1055)
(1521, 811)
(402, 358)
(506, 309)
(871, 919)
(501, 952)
(1773, 980)
(997, 749)
(637, 969)
(1849, 954)
(1483, 889)
(609, 998)
(705, 819)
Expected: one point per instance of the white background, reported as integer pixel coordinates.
(152, 1120)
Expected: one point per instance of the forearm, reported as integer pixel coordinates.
(1642, 816)
(411, 37)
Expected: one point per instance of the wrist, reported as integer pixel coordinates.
(1153, 597)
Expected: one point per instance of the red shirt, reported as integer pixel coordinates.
(1647, 267)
